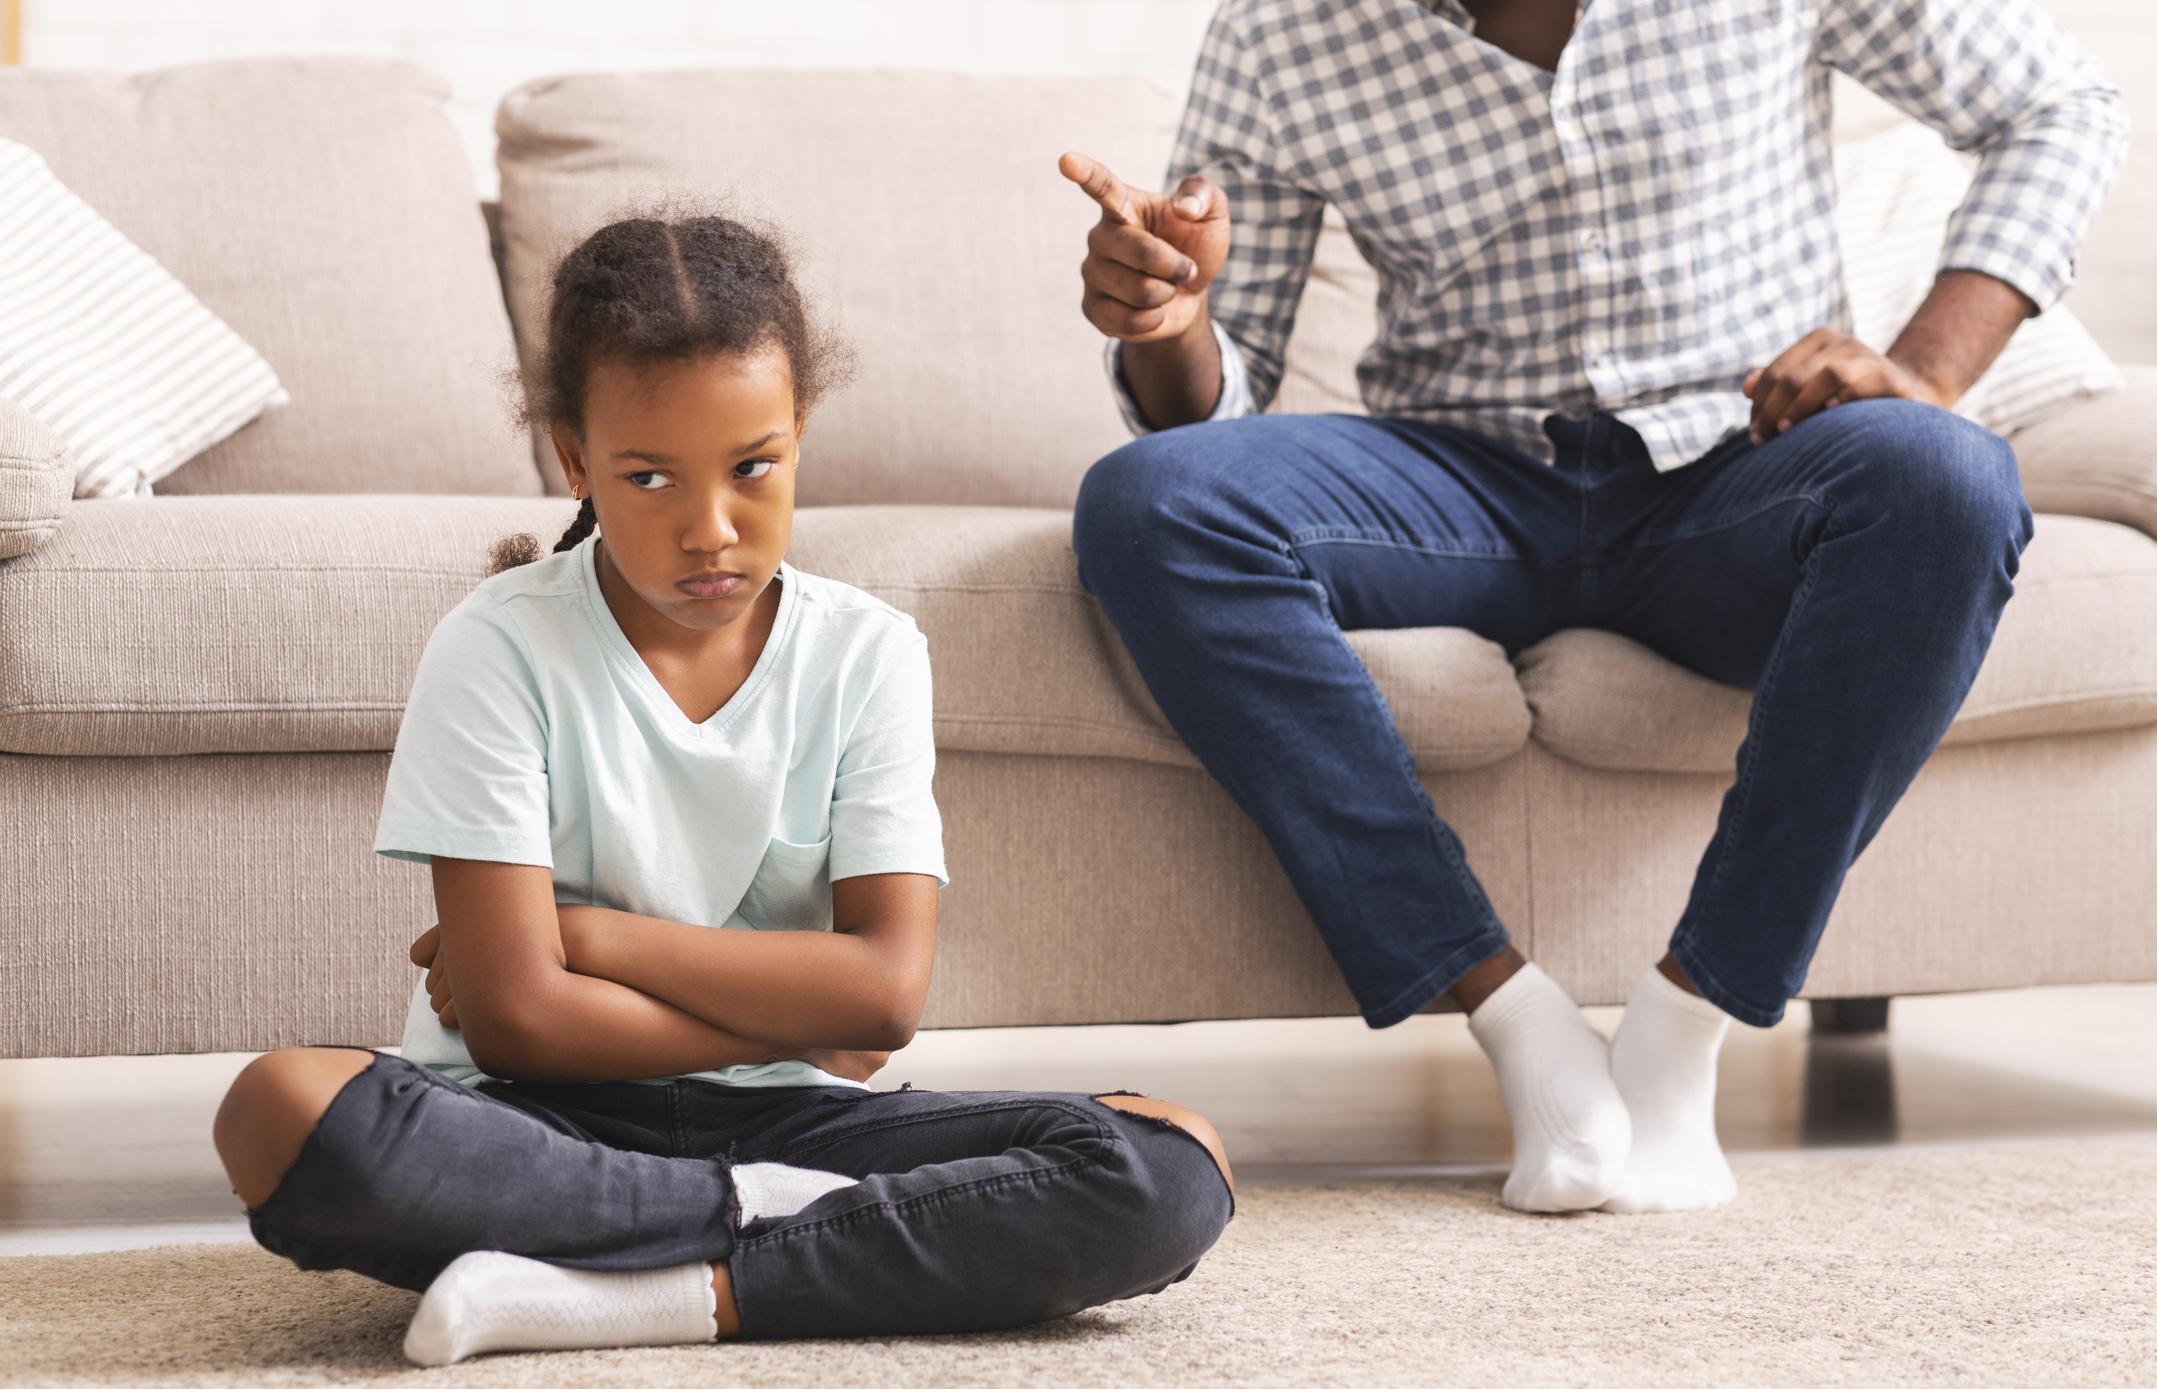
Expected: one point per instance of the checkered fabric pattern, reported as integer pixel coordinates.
(1633, 233)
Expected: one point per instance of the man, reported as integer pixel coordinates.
(1601, 395)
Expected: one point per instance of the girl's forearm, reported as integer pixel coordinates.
(800, 989)
(581, 1028)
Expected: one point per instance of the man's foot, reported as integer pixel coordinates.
(1570, 1130)
(1664, 1063)
(490, 1301)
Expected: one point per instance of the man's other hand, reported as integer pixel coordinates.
(1823, 370)
(1948, 343)
(1151, 256)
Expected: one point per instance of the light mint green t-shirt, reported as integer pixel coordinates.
(536, 734)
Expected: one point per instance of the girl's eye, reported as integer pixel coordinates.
(650, 482)
(753, 467)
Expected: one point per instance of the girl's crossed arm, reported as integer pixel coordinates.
(561, 992)
(498, 972)
(859, 986)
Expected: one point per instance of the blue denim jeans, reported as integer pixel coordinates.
(973, 1210)
(1850, 573)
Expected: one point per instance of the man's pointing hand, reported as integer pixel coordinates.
(1151, 256)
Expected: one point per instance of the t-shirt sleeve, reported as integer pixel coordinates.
(469, 777)
(883, 810)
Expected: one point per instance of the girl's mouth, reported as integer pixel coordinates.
(711, 585)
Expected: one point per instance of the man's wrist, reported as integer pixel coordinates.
(1931, 386)
(1175, 381)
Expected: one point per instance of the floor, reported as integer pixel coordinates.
(114, 1152)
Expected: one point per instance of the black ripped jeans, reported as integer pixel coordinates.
(973, 1210)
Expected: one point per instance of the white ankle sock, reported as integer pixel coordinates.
(1664, 1063)
(1569, 1126)
(770, 1189)
(491, 1301)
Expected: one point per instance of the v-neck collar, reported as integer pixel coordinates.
(616, 644)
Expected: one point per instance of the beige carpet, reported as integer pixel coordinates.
(2026, 1266)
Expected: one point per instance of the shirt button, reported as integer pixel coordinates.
(1592, 241)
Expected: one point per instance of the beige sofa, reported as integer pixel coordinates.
(198, 692)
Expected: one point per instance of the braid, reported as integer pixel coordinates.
(587, 519)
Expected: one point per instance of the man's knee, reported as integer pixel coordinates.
(271, 1109)
(1954, 480)
(1122, 497)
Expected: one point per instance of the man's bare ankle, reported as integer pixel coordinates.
(1487, 978)
(1675, 973)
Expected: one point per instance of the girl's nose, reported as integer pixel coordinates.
(714, 529)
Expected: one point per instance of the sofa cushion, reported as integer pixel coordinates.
(36, 479)
(280, 624)
(1025, 662)
(2076, 652)
(2098, 458)
(325, 209)
(237, 624)
(932, 228)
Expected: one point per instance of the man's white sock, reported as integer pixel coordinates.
(1569, 1127)
(767, 1190)
(492, 1301)
(1664, 1063)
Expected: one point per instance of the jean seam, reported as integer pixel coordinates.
(1684, 938)
(969, 1188)
(1817, 499)
(1344, 536)
(1440, 837)
(820, 1141)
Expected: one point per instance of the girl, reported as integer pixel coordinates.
(612, 1124)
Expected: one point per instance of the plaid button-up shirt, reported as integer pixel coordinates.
(1633, 233)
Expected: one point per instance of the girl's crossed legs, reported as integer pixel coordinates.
(970, 1211)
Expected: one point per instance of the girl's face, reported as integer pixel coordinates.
(690, 466)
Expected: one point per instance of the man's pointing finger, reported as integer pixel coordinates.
(1094, 178)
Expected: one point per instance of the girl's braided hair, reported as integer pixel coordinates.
(653, 289)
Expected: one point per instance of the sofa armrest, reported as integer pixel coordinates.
(2098, 457)
(37, 476)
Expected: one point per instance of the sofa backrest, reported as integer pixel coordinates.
(325, 209)
(932, 228)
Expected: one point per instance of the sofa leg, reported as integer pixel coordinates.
(1849, 1091)
(1849, 1017)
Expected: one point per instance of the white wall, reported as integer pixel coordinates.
(487, 47)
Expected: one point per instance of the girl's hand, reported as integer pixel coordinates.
(426, 952)
(848, 1065)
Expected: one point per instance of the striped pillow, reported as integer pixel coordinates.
(104, 346)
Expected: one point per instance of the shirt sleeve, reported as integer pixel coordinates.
(1227, 134)
(1235, 401)
(2000, 79)
(469, 776)
(883, 806)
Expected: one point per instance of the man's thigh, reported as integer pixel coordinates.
(1402, 524)
(1704, 563)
